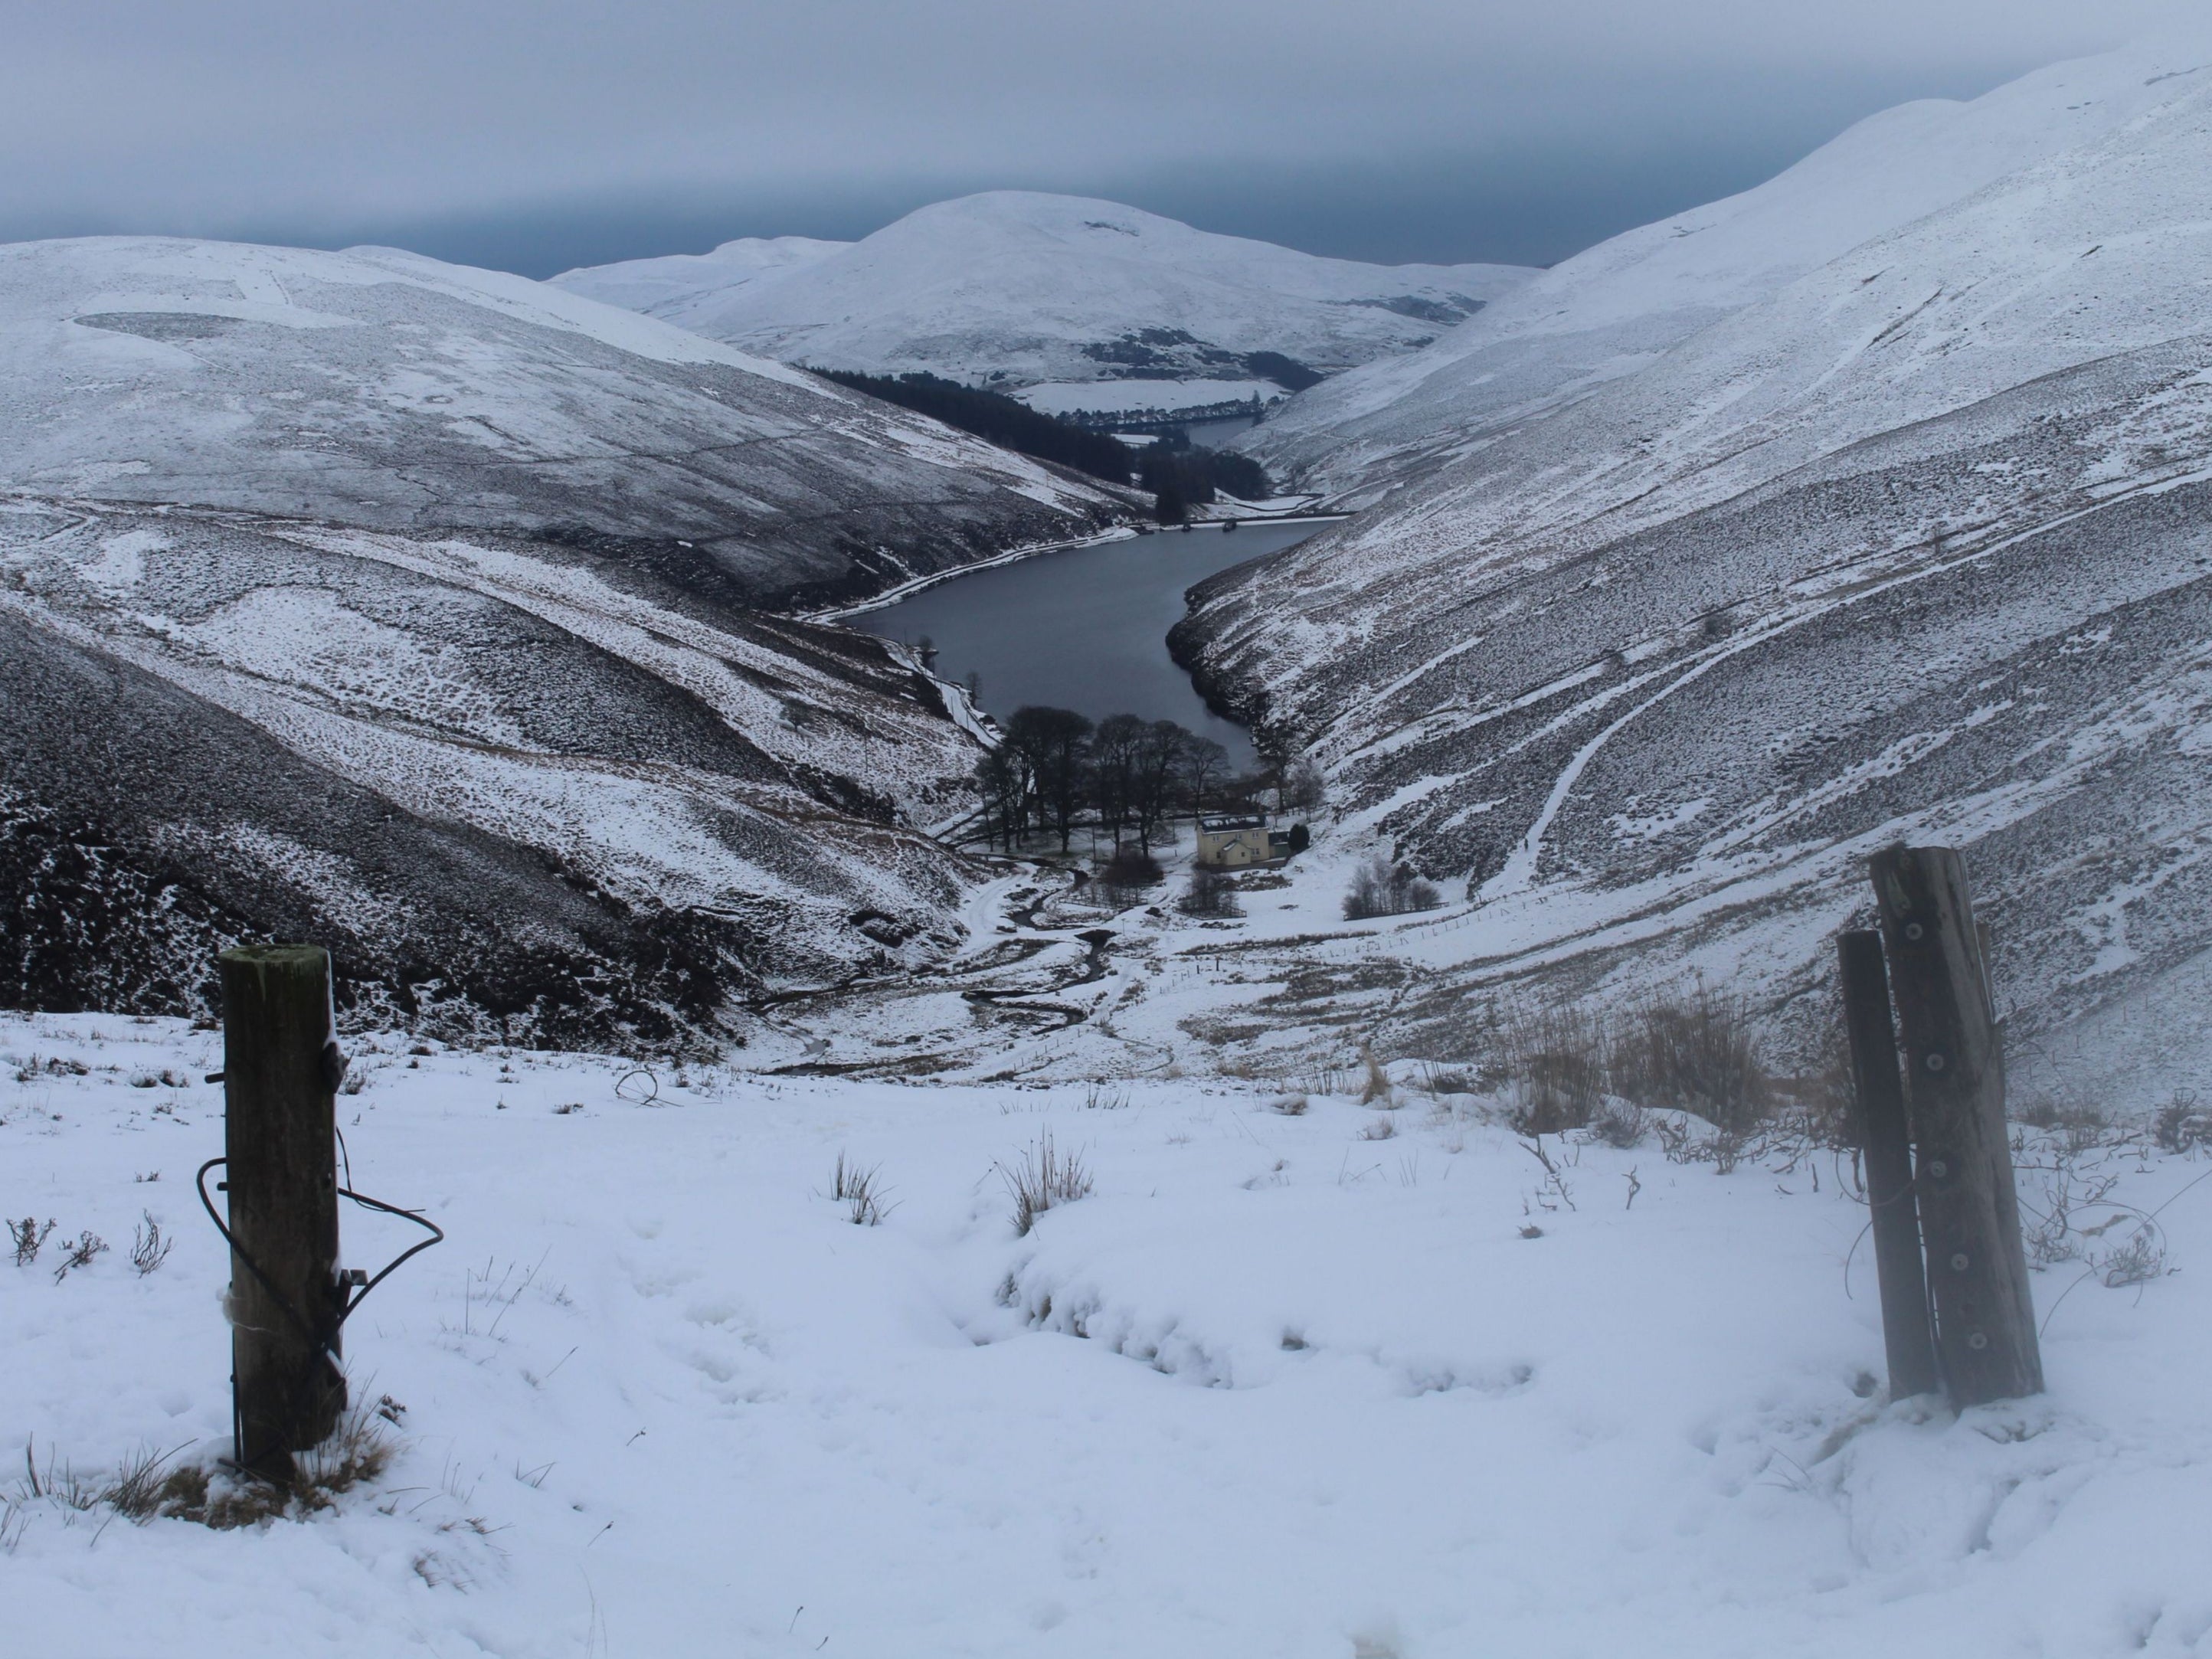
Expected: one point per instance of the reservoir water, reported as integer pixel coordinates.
(1083, 628)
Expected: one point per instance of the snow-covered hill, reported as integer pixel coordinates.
(1620, 307)
(1023, 289)
(409, 608)
(390, 392)
(1918, 545)
(675, 286)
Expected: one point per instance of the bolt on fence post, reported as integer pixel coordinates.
(280, 1075)
(1886, 1139)
(1954, 1068)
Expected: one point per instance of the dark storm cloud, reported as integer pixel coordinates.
(538, 134)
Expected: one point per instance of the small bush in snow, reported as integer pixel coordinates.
(1554, 1060)
(1042, 1179)
(149, 1248)
(1380, 888)
(2182, 1125)
(2140, 1259)
(1123, 877)
(1693, 1053)
(1445, 1081)
(29, 1237)
(1619, 1123)
(79, 1253)
(1210, 893)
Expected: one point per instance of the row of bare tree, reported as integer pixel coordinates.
(1132, 773)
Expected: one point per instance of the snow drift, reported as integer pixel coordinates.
(1021, 289)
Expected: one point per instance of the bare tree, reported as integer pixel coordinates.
(1056, 743)
(1205, 763)
(1117, 756)
(1002, 778)
(1300, 789)
(1159, 770)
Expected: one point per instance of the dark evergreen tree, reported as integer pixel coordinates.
(997, 419)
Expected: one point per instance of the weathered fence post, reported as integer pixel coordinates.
(280, 1073)
(1886, 1139)
(1955, 1069)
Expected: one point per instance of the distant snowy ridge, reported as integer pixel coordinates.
(675, 287)
(1016, 289)
(1920, 544)
(414, 608)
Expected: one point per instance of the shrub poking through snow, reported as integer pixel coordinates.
(1210, 894)
(1693, 1053)
(2182, 1125)
(1554, 1060)
(149, 1246)
(1619, 1123)
(1380, 888)
(1042, 1179)
(79, 1253)
(1123, 877)
(1445, 1079)
(29, 1237)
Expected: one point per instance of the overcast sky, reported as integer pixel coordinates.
(540, 134)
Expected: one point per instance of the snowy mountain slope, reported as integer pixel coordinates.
(1620, 307)
(1918, 545)
(1018, 289)
(518, 795)
(393, 392)
(413, 609)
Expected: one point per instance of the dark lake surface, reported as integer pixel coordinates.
(1213, 435)
(1084, 628)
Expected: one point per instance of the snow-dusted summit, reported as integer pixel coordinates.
(1023, 289)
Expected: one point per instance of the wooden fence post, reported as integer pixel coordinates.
(1886, 1139)
(1954, 1069)
(279, 1077)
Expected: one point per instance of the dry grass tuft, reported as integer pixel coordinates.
(1694, 1054)
(859, 1191)
(1554, 1057)
(1042, 1179)
(357, 1452)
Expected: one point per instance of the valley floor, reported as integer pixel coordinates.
(1354, 1382)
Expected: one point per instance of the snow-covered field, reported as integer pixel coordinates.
(1278, 1386)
